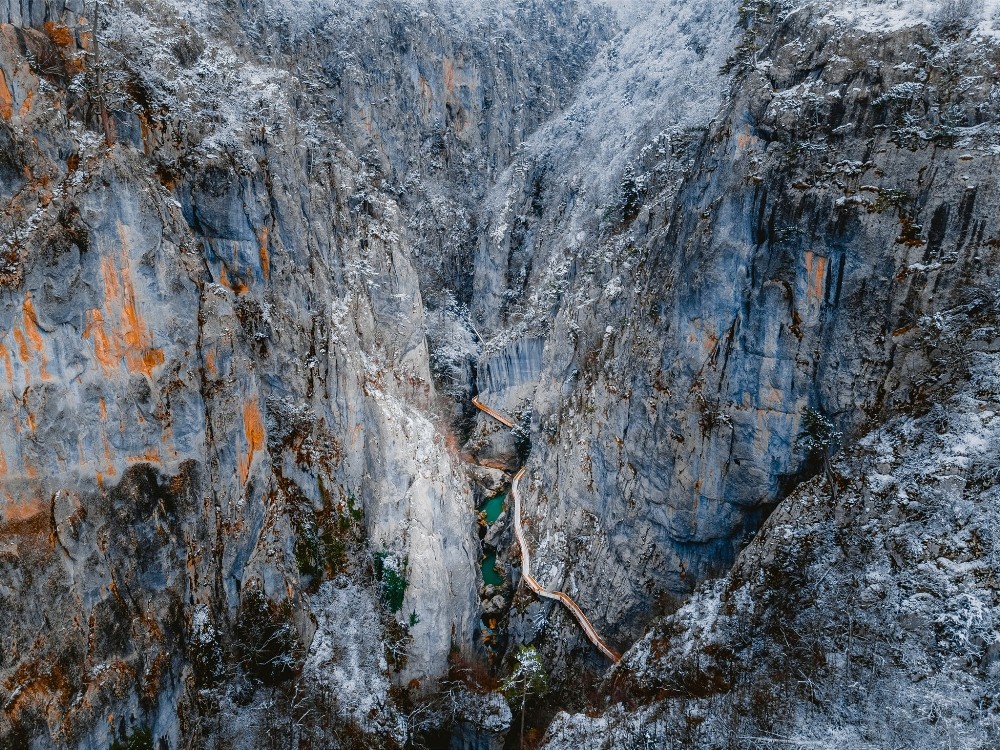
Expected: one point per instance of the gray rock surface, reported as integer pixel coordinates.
(243, 315)
(869, 620)
(213, 346)
(38, 12)
(483, 722)
(776, 257)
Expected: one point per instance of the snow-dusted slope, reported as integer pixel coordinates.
(242, 317)
(772, 257)
(871, 621)
(221, 393)
(660, 78)
(975, 16)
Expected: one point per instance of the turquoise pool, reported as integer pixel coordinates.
(490, 575)
(493, 508)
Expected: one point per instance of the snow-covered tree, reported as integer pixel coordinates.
(818, 440)
(452, 342)
(528, 679)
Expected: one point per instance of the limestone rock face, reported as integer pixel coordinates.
(258, 257)
(216, 383)
(887, 580)
(483, 720)
(38, 12)
(789, 249)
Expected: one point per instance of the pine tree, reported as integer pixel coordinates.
(818, 440)
(527, 679)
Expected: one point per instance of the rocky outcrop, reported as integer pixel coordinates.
(437, 97)
(255, 265)
(560, 233)
(881, 597)
(38, 12)
(510, 376)
(483, 722)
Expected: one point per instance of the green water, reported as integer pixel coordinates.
(493, 508)
(489, 573)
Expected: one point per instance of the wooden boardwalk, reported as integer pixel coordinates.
(533, 584)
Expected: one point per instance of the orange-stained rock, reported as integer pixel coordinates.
(24, 508)
(23, 352)
(59, 34)
(253, 429)
(103, 352)
(265, 258)
(6, 98)
(29, 419)
(449, 75)
(26, 104)
(109, 274)
(8, 366)
(34, 333)
(815, 274)
(150, 455)
(238, 286)
(118, 330)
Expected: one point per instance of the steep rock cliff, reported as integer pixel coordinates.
(253, 272)
(863, 618)
(742, 269)
(217, 387)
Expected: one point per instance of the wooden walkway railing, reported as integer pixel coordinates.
(492, 412)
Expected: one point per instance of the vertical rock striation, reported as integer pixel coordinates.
(214, 362)
(233, 318)
(705, 283)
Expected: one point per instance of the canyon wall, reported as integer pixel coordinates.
(257, 258)
(216, 381)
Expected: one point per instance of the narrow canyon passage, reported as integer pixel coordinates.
(323, 324)
(526, 576)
